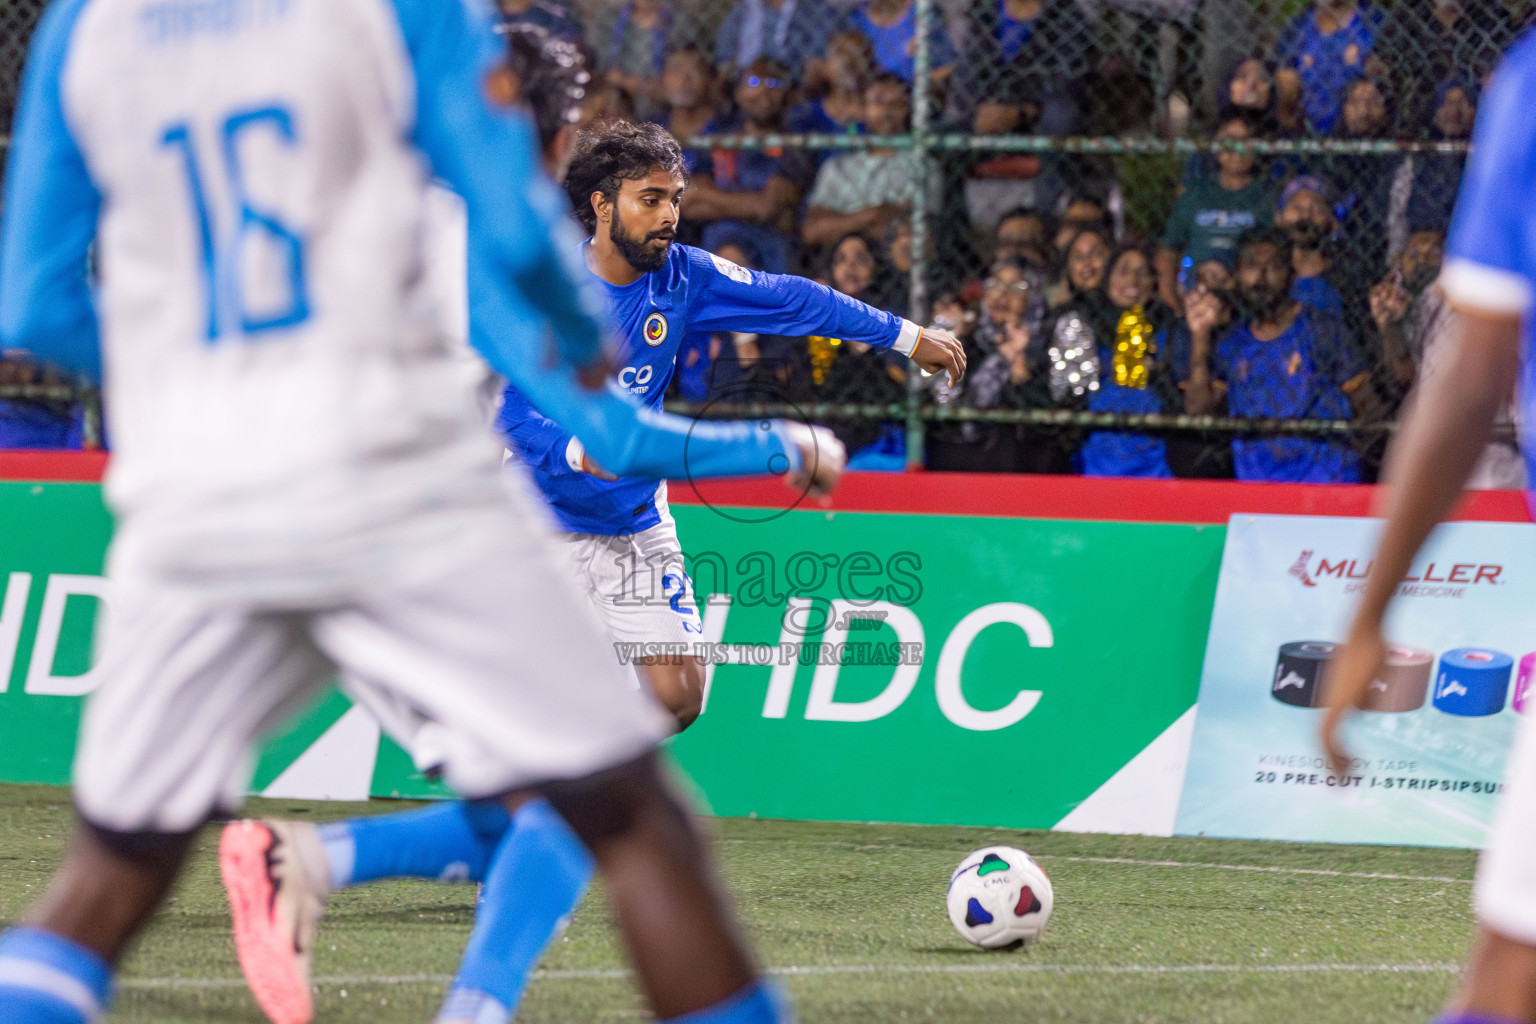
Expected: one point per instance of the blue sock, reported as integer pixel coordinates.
(758, 1003)
(47, 979)
(1475, 1017)
(535, 881)
(451, 842)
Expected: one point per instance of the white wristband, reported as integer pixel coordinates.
(906, 341)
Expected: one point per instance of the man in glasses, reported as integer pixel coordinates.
(752, 193)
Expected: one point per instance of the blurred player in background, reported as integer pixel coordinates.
(301, 480)
(623, 543)
(1490, 277)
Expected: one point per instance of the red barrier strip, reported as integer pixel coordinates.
(971, 494)
(66, 467)
(1074, 497)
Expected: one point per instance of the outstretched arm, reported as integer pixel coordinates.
(723, 296)
(1488, 277)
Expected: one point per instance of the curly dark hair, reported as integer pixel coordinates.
(609, 153)
(554, 75)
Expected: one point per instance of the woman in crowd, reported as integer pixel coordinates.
(847, 371)
(1130, 332)
(1085, 259)
(1248, 85)
(1008, 372)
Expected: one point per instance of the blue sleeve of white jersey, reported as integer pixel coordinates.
(725, 297)
(50, 209)
(1491, 250)
(490, 158)
(630, 439)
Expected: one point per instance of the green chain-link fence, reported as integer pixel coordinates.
(1063, 183)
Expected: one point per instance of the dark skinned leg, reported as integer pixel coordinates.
(107, 887)
(678, 682)
(679, 928)
(1501, 978)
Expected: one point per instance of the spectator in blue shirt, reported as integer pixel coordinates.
(834, 84)
(1026, 68)
(789, 31)
(632, 43)
(1282, 361)
(1306, 215)
(1321, 51)
(891, 26)
(753, 193)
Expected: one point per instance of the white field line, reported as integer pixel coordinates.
(163, 984)
(1262, 868)
(1324, 872)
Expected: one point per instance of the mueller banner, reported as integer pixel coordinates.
(1428, 750)
(863, 666)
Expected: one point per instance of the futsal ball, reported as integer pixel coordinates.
(999, 898)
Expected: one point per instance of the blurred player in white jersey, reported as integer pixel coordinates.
(302, 479)
(1490, 277)
(623, 548)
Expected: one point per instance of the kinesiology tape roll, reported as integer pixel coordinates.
(1403, 683)
(1523, 680)
(1299, 672)
(1472, 681)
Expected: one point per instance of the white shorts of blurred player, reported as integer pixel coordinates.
(491, 667)
(1505, 894)
(638, 583)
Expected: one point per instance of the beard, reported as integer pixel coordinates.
(1262, 303)
(1307, 235)
(638, 252)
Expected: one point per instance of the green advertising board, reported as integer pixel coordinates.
(873, 666)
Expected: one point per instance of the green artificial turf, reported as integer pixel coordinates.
(851, 917)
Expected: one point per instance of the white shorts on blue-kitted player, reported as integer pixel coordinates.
(637, 582)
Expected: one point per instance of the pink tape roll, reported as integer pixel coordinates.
(1523, 681)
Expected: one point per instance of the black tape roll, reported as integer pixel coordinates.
(1299, 672)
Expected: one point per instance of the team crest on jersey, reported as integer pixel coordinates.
(654, 329)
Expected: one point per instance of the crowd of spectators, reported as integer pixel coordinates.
(1294, 287)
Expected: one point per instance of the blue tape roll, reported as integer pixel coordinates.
(1472, 681)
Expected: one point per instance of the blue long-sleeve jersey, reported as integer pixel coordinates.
(694, 292)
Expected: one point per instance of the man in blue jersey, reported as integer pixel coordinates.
(302, 481)
(1285, 360)
(1490, 278)
(622, 544)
